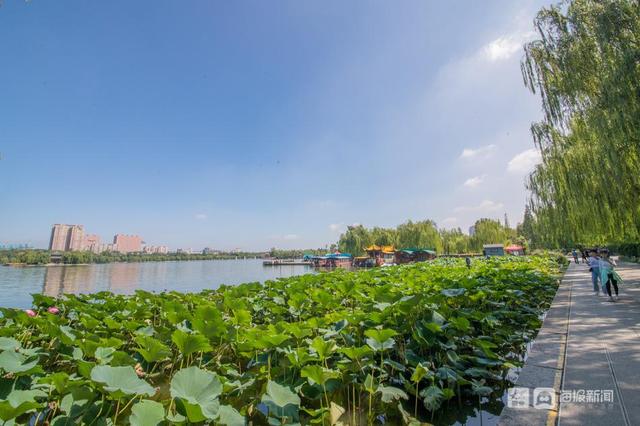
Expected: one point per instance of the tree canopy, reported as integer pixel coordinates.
(425, 234)
(586, 67)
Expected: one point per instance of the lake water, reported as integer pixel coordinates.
(18, 283)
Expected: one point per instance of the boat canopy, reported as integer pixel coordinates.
(337, 255)
(418, 250)
(384, 249)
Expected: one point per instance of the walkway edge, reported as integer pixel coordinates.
(545, 363)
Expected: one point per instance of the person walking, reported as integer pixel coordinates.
(584, 256)
(468, 262)
(594, 267)
(608, 275)
(575, 256)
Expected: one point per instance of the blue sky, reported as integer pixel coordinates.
(255, 124)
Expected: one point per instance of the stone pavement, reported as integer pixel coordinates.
(588, 351)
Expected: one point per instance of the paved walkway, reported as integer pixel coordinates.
(590, 347)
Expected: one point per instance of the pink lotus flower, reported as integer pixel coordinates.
(31, 313)
(53, 310)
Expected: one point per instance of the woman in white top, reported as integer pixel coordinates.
(606, 272)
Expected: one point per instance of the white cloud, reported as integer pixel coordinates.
(336, 227)
(449, 221)
(474, 182)
(290, 237)
(481, 152)
(201, 216)
(524, 162)
(505, 46)
(487, 206)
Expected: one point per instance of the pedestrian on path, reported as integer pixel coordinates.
(608, 275)
(594, 267)
(575, 256)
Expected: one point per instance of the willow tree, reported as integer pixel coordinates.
(421, 234)
(490, 231)
(586, 68)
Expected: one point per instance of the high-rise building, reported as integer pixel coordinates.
(155, 249)
(107, 248)
(92, 243)
(73, 238)
(66, 238)
(127, 243)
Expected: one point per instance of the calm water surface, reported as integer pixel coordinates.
(18, 283)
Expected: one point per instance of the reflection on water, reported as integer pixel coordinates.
(18, 283)
(63, 279)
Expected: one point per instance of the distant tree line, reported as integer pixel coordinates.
(29, 257)
(425, 234)
(298, 253)
(43, 257)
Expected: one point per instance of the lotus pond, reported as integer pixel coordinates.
(400, 345)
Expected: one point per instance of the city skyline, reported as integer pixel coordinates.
(226, 125)
(66, 237)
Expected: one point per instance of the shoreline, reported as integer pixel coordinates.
(27, 265)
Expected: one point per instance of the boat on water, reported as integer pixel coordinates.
(364, 262)
(333, 260)
(382, 255)
(286, 262)
(410, 255)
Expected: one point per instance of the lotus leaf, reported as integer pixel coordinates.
(357, 353)
(120, 381)
(390, 393)
(147, 413)
(323, 348)
(318, 374)
(9, 344)
(281, 396)
(19, 402)
(198, 390)
(453, 292)
(229, 416)
(16, 363)
(190, 343)
(104, 355)
(152, 350)
(432, 397)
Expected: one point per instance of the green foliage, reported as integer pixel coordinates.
(43, 257)
(489, 231)
(120, 381)
(294, 254)
(197, 391)
(188, 343)
(585, 68)
(454, 241)
(425, 234)
(306, 349)
(147, 413)
(29, 257)
(19, 402)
